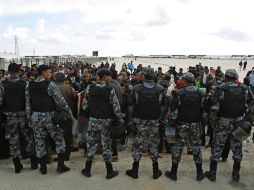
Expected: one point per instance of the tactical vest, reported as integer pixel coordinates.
(233, 104)
(99, 103)
(14, 97)
(190, 106)
(39, 97)
(148, 106)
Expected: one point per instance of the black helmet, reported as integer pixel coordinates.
(242, 132)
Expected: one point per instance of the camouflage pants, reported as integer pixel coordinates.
(15, 127)
(151, 132)
(221, 133)
(43, 125)
(98, 135)
(193, 133)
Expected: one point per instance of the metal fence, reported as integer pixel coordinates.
(30, 60)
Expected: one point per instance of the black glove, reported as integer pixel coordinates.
(61, 116)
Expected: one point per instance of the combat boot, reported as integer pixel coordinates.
(110, 173)
(18, 166)
(211, 175)
(173, 173)
(34, 162)
(87, 171)
(134, 171)
(200, 173)
(61, 168)
(43, 166)
(235, 173)
(156, 172)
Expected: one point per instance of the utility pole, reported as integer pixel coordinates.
(16, 51)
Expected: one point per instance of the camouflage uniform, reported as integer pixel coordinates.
(98, 129)
(98, 134)
(147, 101)
(16, 124)
(193, 132)
(225, 127)
(149, 129)
(231, 98)
(190, 131)
(146, 129)
(187, 108)
(42, 122)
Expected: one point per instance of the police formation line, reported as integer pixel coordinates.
(41, 105)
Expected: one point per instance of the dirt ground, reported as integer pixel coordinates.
(73, 180)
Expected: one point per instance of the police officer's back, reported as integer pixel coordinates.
(232, 100)
(187, 112)
(12, 101)
(43, 101)
(102, 107)
(146, 99)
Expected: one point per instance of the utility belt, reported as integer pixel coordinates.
(231, 120)
(187, 123)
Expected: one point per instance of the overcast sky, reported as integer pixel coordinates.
(119, 27)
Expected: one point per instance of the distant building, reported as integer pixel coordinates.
(95, 53)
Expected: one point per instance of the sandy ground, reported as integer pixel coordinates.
(184, 63)
(33, 180)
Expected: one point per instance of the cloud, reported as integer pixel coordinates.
(137, 36)
(159, 18)
(54, 37)
(103, 36)
(128, 11)
(117, 27)
(46, 6)
(40, 26)
(184, 1)
(20, 32)
(233, 35)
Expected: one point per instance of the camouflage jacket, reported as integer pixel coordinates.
(113, 100)
(54, 92)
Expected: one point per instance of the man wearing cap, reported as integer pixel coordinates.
(43, 98)
(147, 100)
(187, 112)
(232, 100)
(12, 101)
(102, 107)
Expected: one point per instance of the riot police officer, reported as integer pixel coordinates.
(232, 99)
(186, 107)
(102, 107)
(43, 100)
(12, 101)
(146, 99)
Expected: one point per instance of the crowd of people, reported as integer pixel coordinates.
(61, 108)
